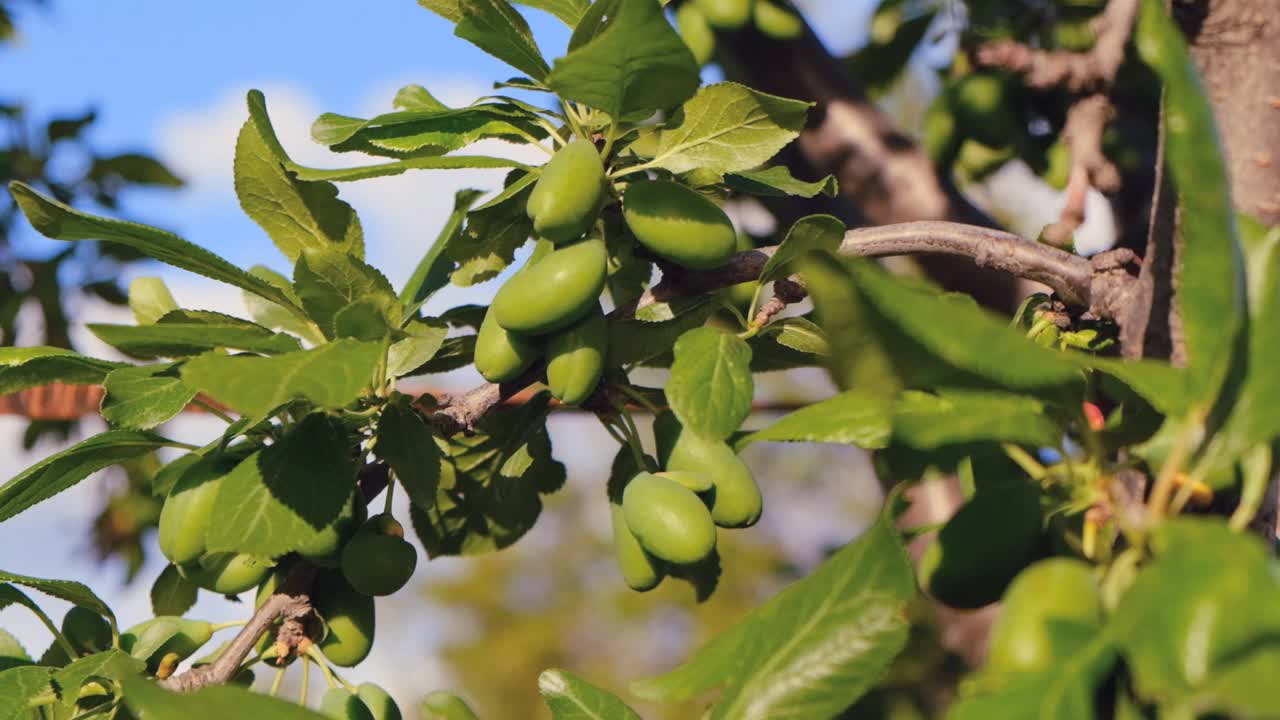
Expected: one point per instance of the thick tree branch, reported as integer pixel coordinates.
(1102, 285)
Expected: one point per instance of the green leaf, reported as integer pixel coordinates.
(407, 445)
(960, 334)
(1065, 692)
(271, 315)
(140, 398)
(450, 10)
(416, 133)
(488, 243)
(12, 654)
(64, 469)
(328, 281)
(633, 65)
(172, 594)
(925, 421)
(1210, 270)
(1179, 624)
(729, 128)
(815, 232)
(330, 376)
(18, 686)
(789, 343)
(860, 354)
(1159, 383)
(813, 649)
(569, 11)
(491, 482)
(633, 340)
(112, 664)
(495, 27)
(258, 113)
(778, 182)
(1243, 688)
(1255, 418)
(150, 300)
(182, 339)
(62, 222)
(285, 495)
(416, 97)
(454, 353)
(424, 342)
(852, 417)
(433, 270)
(28, 367)
(69, 590)
(297, 215)
(711, 388)
(148, 700)
(571, 698)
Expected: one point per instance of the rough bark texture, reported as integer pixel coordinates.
(1236, 46)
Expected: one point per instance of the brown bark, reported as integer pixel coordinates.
(1236, 47)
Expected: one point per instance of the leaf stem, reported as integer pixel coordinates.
(57, 634)
(314, 657)
(1023, 459)
(575, 122)
(1162, 490)
(611, 136)
(638, 397)
(534, 141)
(229, 624)
(212, 409)
(631, 170)
(331, 676)
(551, 130)
(391, 483)
(306, 678)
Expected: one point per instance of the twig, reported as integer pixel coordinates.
(291, 602)
(1091, 73)
(1086, 120)
(785, 292)
(1079, 72)
(1102, 285)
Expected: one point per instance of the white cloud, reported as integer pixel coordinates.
(401, 215)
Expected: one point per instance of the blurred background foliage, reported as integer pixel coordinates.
(42, 283)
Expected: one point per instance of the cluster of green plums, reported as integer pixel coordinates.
(697, 21)
(358, 558)
(669, 518)
(550, 309)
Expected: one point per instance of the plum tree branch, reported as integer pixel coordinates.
(292, 602)
(1091, 74)
(1101, 284)
(1079, 72)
